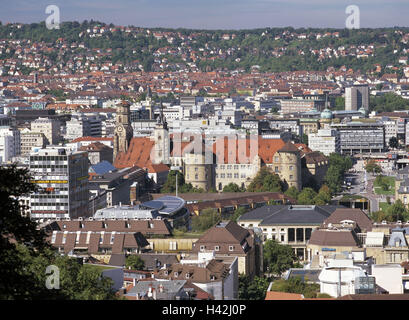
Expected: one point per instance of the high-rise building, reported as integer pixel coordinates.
(83, 126)
(357, 97)
(49, 127)
(30, 140)
(62, 180)
(325, 140)
(9, 140)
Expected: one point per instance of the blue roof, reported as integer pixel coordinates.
(166, 204)
(102, 167)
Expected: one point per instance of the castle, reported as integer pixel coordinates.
(206, 164)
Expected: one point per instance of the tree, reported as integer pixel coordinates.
(238, 213)
(397, 211)
(134, 262)
(306, 196)
(207, 219)
(323, 197)
(296, 285)
(373, 167)
(266, 180)
(25, 255)
(305, 139)
(292, 192)
(170, 184)
(277, 257)
(393, 143)
(252, 289)
(338, 166)
(232, 187)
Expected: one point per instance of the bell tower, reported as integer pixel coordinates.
(162, 142)
(123, 130)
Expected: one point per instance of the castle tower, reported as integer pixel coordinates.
(162, 142)
(196, 170)
(290, 162)
(123, 130)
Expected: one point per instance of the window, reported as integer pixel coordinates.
(276, 169)
(176, 274)
(291, 167)
(54, 236)
(282, 238)
(231, 248)
(202, 248)
(112, 237)
(291, 176)
(187, 275)
(216, 248)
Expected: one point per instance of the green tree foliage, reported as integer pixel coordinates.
(134, 262)
(373, 167)
(292, 192)
(395, 212)
(305, 139)
(306, 196)
(252, 289)
(207, 219)
(266, 180)
(324, 196)
(296, 285)
(170, 184)
(278, 258)
(388, 102)
(393, 143)
(338, 166)
(238, 213)
(24, 260)
(232, 187)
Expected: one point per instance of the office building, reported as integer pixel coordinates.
(62, 180)
(49, 127)
(361, 137)
(326, 141)
(357, 97)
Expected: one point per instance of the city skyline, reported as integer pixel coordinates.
(211, 14)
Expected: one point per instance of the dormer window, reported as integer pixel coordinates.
(212, 278)
(187, 275)
(231, 248)
(176, 274)
(202, 248)
(166, 272)
(216, 248)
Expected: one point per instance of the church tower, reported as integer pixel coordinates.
(123, 130)
(162, 142)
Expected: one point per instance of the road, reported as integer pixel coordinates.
(362, 184)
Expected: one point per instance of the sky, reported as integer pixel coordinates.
(213, 14)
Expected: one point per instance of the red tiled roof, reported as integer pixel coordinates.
(275, 295)
(93, 139)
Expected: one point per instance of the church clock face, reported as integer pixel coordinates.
(119, 129)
